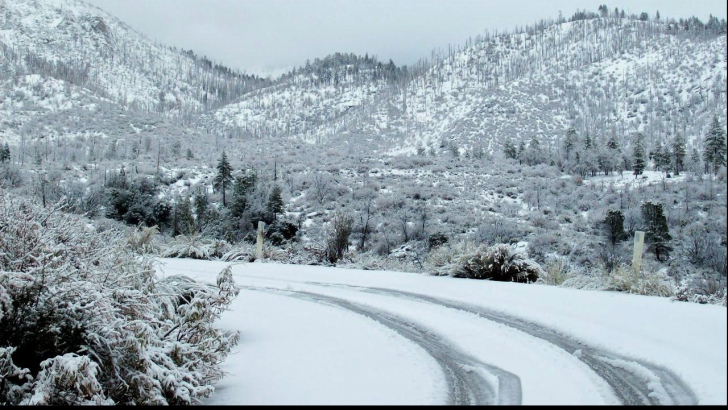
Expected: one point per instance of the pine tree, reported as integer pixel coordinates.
(678, 153)
(240, 197)
(612, 143)
(588, 143)
(454, 150)
(569, 141)
(638, 155)
(5, 153)
(715, 146)
(275, 202)
(201, 203)
(695, 161)
(535, 144)
(184, 223)
(510, 150)
(662, 158)
(614, 227)
(478, 152)
(521, 150)
(224, 176)
(657, 231)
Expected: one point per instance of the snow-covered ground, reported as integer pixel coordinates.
(315, 335)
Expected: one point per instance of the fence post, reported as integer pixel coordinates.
(259, 248)
(639, 243)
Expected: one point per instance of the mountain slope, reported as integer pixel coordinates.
(307, 98)
(605, 76)
(73, 41)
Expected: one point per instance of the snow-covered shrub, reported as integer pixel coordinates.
(218, 248)
(366, 261)
(442, 260)
(555, 273)
(85, 320)
(241, 253)
(436, 240)
(197, 246)
(68, 379)
(541, 245)
(499, 230)
(142, 240)
(704, 287)
(276, 254)
(498, 263)
(625, 279)
(586, 282)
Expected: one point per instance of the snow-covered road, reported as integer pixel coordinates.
(314, 335)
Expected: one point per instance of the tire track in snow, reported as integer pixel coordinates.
(464, 374)
(634, 382)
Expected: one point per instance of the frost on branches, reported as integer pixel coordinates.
(85, 320)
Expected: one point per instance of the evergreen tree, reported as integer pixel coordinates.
(603, 10)
(695, 160)
(612, 143)
(5, 153)
(533, 154)
(535, 144)
(521, 150)
(189, 155)
(715, 146)
(240, 197)
(184, 222)
(201, 202)
(224, 176)
(275, 202)
(478, 152)
(569, 141)
(454, 150)
(662, 158)
(613, 226)
(678, 153)
(510, 150)
(588, 143)
(656, 230)
(638, 155)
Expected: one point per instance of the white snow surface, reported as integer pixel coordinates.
(295, 351)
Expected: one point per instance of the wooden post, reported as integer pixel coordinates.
(639, 243)
(259, 248)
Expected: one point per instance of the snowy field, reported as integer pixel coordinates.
(316, 335)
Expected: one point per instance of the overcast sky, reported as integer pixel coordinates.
(264, 36)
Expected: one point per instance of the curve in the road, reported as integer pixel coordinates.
(467, 385)
(632, 388)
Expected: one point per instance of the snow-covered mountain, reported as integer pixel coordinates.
(308, 99)
(604, 75)
(66, 54)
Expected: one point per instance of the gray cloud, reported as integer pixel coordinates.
(266, 35)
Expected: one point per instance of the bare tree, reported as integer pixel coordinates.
(320, 185)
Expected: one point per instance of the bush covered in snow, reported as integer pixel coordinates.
(85, 320)
(556, 272)
(625, 279)
(142, 240)
(196, 247)
(703, 287)
(498, 263)
(442, 260)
